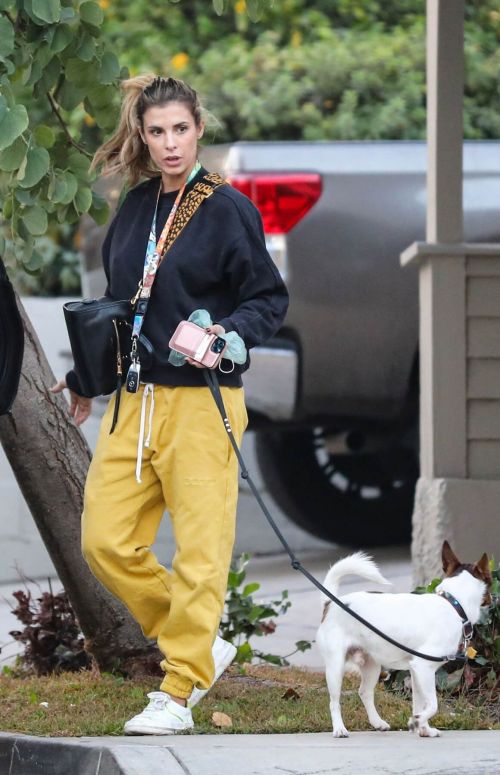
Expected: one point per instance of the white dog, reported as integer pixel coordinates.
(428, 623)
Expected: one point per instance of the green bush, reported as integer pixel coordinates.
(481, 671)
(53, 641)
(244, 618)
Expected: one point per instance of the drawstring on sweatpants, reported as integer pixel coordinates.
(148, 389)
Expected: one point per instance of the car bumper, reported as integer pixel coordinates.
(271, 382)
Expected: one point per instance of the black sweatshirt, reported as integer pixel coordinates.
(219, 262)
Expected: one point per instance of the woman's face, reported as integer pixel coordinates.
(172, 137)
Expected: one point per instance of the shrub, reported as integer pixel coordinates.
(54, 642)
(481, 671)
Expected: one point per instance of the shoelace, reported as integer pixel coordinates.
(158, 701)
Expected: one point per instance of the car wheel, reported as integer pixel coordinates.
(354, 498)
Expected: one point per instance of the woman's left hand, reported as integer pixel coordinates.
(214, 329)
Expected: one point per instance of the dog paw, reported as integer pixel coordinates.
(340, 732)
(381, 726)
(429, 732)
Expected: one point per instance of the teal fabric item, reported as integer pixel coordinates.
(236, 350)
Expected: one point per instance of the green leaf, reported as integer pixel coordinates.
(50, 76)
(6, 37)
(47, 10)
(33, 74)
(99, 210)
(71, 187)
(254, 10)
(83, 200)
(78, 164)
(274, 659)
(448, 681)
(100, 95)
(34, 263)
(12, 157)
(44, 136)
(70, 96)
(37, 165)
(255, 613)
(67, 14)
(61, 214)
(28, 7)
(7, 209)
(63, 36)
(110, 68)
(250, 588)
(13, 121)
(106, 118)
(24, 196)
(303, 645)
(86, 48)
(79, 71)
(35, 219)
(91, 13)
(60, 188)
(244, 653)
(9, 66)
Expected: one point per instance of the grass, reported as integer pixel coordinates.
(262, 699)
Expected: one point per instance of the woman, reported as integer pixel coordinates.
(219, 263)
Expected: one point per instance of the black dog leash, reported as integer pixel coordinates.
(213, 384)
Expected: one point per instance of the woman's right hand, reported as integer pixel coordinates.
(80, 407)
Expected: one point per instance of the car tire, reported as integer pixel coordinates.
(363, 499)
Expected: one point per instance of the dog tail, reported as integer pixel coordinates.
(358, 564)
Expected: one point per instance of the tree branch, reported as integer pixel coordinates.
(58, 87)
(57, 113)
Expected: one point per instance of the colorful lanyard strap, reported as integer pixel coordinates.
(153, 259)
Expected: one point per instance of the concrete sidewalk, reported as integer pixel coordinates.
(393, 753)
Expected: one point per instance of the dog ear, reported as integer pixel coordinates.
(450, 559)
(483, 568)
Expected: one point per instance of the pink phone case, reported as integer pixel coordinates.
(193, 341)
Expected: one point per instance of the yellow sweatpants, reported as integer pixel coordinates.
(189, 468)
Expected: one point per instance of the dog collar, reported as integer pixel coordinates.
(467, 626)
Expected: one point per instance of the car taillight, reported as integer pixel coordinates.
(282, 200)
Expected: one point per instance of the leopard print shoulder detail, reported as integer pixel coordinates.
(200, 191)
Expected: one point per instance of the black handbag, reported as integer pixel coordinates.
(100, 332)
(11, 343)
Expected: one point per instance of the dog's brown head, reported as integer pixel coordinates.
(480, 570)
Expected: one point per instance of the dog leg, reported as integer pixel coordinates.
(424, 681)
(334, 674)
(370, 672)
(417, 703)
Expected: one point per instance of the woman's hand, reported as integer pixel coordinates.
(80, 407)
(215, 329)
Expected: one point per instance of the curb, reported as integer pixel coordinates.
(24, 755)
(27, 755)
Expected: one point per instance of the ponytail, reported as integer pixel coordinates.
(125, 152)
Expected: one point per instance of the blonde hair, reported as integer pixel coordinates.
(125, 153)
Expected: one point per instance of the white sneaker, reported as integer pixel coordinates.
(223, 653)
(163, 716)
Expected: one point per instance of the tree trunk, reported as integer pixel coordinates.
(50, 458)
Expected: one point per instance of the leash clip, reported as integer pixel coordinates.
(468, 631)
